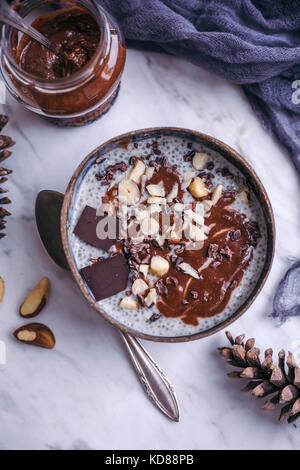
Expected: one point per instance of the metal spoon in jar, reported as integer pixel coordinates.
(156, 385)
(9, 16)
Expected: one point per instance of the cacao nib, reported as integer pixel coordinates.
(234, 235)
(212, 250)
(194, 294)
(172, 281)
(227, 173)
(141, 300)
(226, 252)
(154, 317)
(189, 156)
(253, 231)
(161, 287)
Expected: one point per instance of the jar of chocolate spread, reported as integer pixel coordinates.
(81, 83)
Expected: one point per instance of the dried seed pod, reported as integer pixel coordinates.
(36, 334)
(36, 299)
(5, 143)
(266, 377)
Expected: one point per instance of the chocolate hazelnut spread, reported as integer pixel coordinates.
(77, 35)
(81, 82)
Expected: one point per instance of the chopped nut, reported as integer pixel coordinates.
(139, 286)
(244, 195)
(174, 237)
(151, 297)
(144, 268)
(36, 334)
(194, 216)
(159, 265)
(188, 176)
(217, 193)
(155, 190)
(198, 188)
(36, 299)
(178, 207)
(149, 172)
(199, 160)
(187, 269)
(129, 303)
(128, 191)
(156, 200)
(137, 171)
(173, 193)
(1, 289)
(140, 214)
(196, 234)
(150, 226)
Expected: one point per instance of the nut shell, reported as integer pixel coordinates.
(36, 300)
(36, 334)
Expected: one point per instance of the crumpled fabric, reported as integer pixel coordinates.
(254, 43)
(287, 299)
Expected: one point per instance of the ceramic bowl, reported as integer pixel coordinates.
(229, 155)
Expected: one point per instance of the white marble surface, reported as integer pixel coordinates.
(84, 394)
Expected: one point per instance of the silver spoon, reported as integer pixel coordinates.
(156, 385)
(9, 16)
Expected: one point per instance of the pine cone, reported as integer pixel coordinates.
(5, 143)
(266, 378)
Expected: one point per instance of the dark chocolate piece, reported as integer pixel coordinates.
(107, 278)
(87, 225)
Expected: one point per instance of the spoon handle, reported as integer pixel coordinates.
(153, 380)
(9, 16)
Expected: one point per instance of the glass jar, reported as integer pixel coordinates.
(81, 97)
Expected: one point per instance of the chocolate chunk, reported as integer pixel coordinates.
(87, 225)
(107, 278)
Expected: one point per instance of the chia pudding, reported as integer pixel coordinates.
(167, 235)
